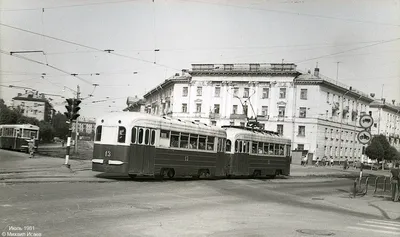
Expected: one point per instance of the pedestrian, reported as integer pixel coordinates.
(304, 161)
(331, 161)
(31, 147)
(317, 163)
(394, 177)
(62, 143)
(345, 164)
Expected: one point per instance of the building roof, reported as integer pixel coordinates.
(247, 69)
(384, 105)
(170, 81)
(311, 79)
(31, 97)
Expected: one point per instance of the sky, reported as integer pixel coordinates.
(151, 40)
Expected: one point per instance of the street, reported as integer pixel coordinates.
(145, 207)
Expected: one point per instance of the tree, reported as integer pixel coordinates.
(60, 126)
(46, 131)
(393, 154)
(375, 150)
(385, 145)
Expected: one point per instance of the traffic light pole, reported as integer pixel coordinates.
(68, 145)
(76, 122)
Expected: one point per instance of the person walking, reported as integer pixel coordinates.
(331, 161)
(31, 147)
(394, 177)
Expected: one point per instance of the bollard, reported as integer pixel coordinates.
(355, 188)
(376, 184)
(366, 185)
(384, 184)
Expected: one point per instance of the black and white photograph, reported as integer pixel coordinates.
(200, 118)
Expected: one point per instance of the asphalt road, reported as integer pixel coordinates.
(235, 207)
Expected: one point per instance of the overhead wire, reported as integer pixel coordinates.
(48, 65)
(85, 46)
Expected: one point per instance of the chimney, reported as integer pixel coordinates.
(383, 100)
(316, 72)
(394, 102)
(19, 94)
(177, 74)
(184, 71)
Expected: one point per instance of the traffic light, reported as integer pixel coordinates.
(76, 109)
(72, 109)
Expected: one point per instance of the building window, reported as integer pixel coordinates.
(327, 96)
(282, 93)
(216, 108)
(303, 112)
(228, 67)
(300, 147)
(302, 131)
(217, 91)
(303, 94)
(234, 109)
(184, 108)
(236, 91)
(241, 124)
(264, 110)
(199, 91)
(35, 111)
(254, 67)
(232, 123)
(265, 94)
(214, 123)
(185, 91)
(279, 128)
(35, 105)
(198, 108)
(246, 93)
(281, 111)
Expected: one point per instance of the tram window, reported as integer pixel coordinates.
(271, 149)
(246, 147)
(153, 137)
(228, 145)
(133, 137)
(260, 147)
(174, 139)
(281, 150)
(184, 143)
(276, 149)
(141, 135)
(266, 146)
(98, 133)
(193, 144)
(121, 134)
(147, 136)
(202, 142)
(254, 147)
(210, 143)
(164, 134)
(240, 146)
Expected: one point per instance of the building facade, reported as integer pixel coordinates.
(34, 105)
(316, 113)
(86, 128)
(386, 121)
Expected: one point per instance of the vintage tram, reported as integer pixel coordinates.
(16, 136)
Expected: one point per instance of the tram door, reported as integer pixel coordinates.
(142, 152)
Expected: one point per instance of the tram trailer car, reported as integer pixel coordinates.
(16, 136)
(257, 153)
(138, 144)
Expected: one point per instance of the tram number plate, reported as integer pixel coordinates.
(186, 158)
(107, 154)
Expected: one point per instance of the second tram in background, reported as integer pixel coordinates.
(16, 136)
(138, 144)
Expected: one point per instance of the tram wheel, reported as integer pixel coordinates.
(256, 173)
(171, 173)
(132, 176)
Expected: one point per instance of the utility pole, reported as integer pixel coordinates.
(76, 122)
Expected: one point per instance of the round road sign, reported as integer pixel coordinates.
(366, 121)
(364, 137)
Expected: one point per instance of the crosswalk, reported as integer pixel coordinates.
(378, 226)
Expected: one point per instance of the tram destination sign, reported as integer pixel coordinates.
(364, 137)
(366, 121)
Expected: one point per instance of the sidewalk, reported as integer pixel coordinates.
(334, 172)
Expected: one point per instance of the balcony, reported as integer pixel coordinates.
(214, 116)
(262, 117)
(237, 116)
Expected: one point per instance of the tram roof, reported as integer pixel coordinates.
(245, 133)
(131, 119)
(23, 126)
